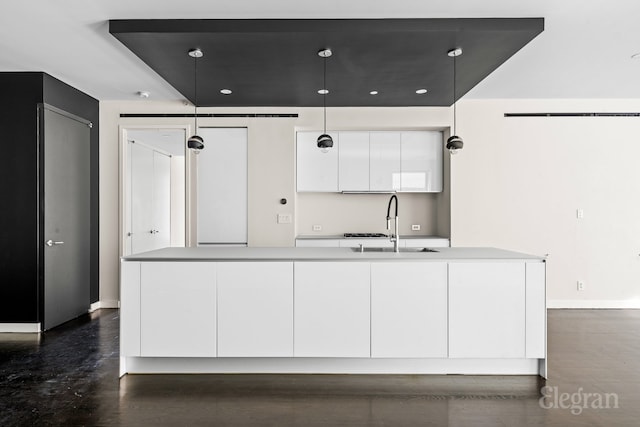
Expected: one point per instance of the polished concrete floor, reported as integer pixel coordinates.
(69, 377)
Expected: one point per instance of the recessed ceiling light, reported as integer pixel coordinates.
(323, 91)
(373, 92)
(226, 91)
(421, 91)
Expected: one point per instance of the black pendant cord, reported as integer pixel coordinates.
(454, 95)
(195, 90)
(326, 92)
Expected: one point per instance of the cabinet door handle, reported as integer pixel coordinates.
(51, 243)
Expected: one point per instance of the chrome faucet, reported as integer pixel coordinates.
(395, 237)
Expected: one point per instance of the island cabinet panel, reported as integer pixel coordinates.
(332, 309)
(536, 311)
(178, 309)
(255, 309)
(409, 309)
(487, 309)
(130, 309)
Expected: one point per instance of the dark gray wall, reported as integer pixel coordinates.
(20, 245)
(21, 93)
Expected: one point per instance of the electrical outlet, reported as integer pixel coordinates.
(415, 227)
(580, 285)
(284, 218)
(579, 213)
(316, 227)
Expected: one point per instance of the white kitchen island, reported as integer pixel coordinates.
(333, 310)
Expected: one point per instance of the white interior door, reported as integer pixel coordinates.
(222, 186)
(161, 203)
(141, 198)
(150, 198)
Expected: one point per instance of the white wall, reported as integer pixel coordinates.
(516, 185)
(519, 181)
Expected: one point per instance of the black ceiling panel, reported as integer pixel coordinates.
(275, 63)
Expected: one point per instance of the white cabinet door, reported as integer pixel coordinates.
(421, 161)
(487, 309)
(316, 171)
(409, 309)
(222, 186)
(332, 309)
(430, 242)
(178, 309)
(367, 243)
(384, 161)
(317, 243)
(353, 161)
(129, 308)
(255, 309)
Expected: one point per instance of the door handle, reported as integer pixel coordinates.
(51, 243)
(154, 231)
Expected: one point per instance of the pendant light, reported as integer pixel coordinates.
(454, 142)
(195, 142)
(324, 141)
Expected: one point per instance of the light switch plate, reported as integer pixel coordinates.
(284, 218)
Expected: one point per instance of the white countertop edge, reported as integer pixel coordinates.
(327, 254)
(341, 237)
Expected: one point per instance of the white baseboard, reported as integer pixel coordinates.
(593, 304)
(21, 328)
(104, 304)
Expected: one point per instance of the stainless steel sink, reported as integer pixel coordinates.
(391, 250)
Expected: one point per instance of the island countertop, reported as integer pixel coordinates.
(325, 254)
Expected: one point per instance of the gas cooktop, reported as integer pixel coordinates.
(364, 235)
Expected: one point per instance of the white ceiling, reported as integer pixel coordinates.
(584, 52)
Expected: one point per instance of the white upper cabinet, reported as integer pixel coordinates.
(365, 161)
(384, 161)
(374, 161)
(316, 171)
(353, 167)
(421, 161)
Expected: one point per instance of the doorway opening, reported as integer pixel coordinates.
(155, 188)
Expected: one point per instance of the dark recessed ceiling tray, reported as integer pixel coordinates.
(274, 62)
